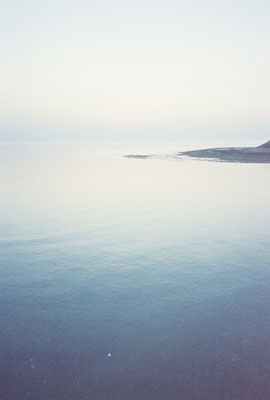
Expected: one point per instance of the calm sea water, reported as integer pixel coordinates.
(127, 279)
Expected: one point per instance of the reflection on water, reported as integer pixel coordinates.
(132, 279)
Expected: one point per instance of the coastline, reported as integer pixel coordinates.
(255, 155)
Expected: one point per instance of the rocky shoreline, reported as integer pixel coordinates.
(259, 154)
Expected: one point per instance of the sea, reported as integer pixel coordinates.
(133, 279)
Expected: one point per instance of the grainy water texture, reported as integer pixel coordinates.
(132, 279)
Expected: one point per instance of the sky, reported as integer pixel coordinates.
(150, 69)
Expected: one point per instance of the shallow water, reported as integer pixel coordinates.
(133, 279)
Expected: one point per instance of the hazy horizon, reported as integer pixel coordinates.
(125, 71)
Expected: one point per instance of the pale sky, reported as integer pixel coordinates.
(79, 70)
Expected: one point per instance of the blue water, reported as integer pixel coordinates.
(132, 279)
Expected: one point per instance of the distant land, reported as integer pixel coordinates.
(259, 154)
